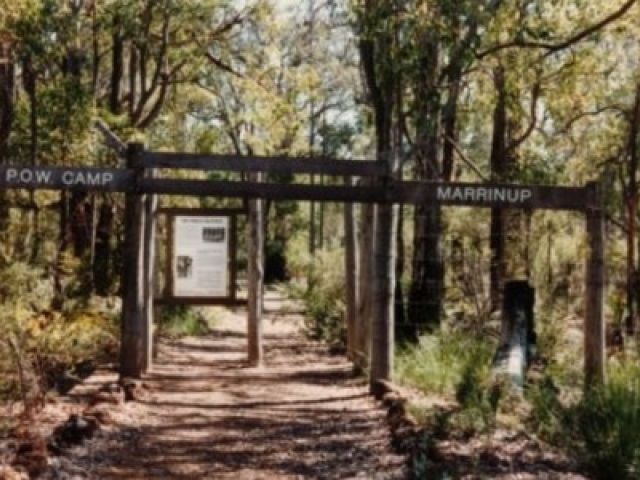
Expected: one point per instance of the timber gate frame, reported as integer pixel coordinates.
(142, 184)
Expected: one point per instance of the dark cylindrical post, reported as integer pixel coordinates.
(133, 340)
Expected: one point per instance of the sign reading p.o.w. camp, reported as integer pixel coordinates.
(66, 178)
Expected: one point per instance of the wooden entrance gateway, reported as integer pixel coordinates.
(142, 182)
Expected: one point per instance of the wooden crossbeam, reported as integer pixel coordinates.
(453, 194)
(253, 163)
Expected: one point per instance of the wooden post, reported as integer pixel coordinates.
(149, 242)
(594, 325)
(384, 284)
(132, 342)
(351, 273)
(256, 279)
(233, 257)
(168, 264)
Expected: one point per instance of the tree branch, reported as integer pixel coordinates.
(551, 47)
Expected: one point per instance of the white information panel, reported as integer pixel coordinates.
(200, 260)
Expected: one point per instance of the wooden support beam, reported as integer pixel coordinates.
(453, 194)
(222, 301)
(351, 267)
(594, 324)
(253, 163)
(149, 243)
(256, 279)
(132, 341)
(202, 211)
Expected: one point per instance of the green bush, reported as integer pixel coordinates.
(603, 429)
(39, 344)
(458, 366)
(181, 320)
(324, 298)
(441, 362)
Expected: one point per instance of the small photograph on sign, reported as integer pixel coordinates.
(213, 234)
(184, 266)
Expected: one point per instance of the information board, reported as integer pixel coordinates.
(201, 256)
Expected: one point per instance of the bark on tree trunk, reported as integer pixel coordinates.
(80, 227)
(427, 286)
(102, 266)
(632, 212)
(7, 108)
(400, 316)
(498, 166)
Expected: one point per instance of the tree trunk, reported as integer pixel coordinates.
(632, 212)
(7, 108)
(427, 286)
(102, 265)
(117, 66)
(498, 165)
(427, 276)
(80, 227)
(255, 278)
(400, 318)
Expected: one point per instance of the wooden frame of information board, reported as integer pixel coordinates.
(231, 299)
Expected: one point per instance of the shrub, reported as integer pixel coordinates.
(323, 298)
(182, 320)
(603, 427)
(441, 362)
(40, 344)
(455, 365)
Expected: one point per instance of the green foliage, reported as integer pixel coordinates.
(181, 321)
(603, 427)
(441, 362)
(599, 429)
(458, 366)
(323, 297)
(39, 344)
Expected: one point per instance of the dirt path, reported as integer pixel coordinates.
(206, 415)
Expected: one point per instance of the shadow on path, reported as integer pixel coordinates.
(207, 415)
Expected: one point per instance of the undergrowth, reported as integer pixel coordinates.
(40, 345)
(456, 366)
(183, 320)
(323, 298)
(601, 428)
